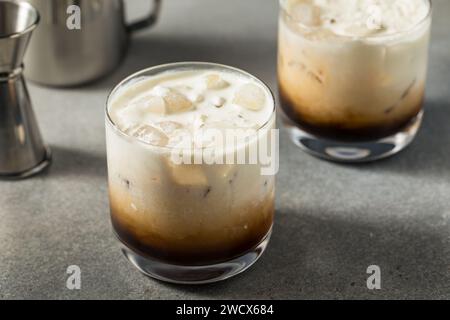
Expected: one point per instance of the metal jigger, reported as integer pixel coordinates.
(22, 151)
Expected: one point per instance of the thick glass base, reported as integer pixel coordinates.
(354, 152)
(203, 274)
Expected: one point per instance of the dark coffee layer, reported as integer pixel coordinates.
(207, 246)
(346, 130)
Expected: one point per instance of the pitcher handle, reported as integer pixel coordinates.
(147, 21)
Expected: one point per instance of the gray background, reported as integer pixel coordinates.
(332, 221)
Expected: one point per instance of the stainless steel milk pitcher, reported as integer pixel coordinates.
(63, 56)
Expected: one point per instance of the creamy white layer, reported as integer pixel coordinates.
(358, 18)
(162, 109)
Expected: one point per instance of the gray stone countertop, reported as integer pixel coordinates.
(332, 221)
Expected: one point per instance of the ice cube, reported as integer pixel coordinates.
(306, 14)
(152, 104)
(174, 100)
(242, 122)
(250, 96)
(188, 174)
(218, 102)
(157, 105)
(148, 134)
(177, 102)
(130, 115)
(196, 97)
(208, 137)
(220, 124)
(169, 127)
(160, 91)
(213, 133)
(199, 121)
(361, 30)
(181, 139)
(140, 107)
(215, 82)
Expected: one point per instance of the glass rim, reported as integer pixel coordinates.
(396, 34)
(175, 66)
(31, 9)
